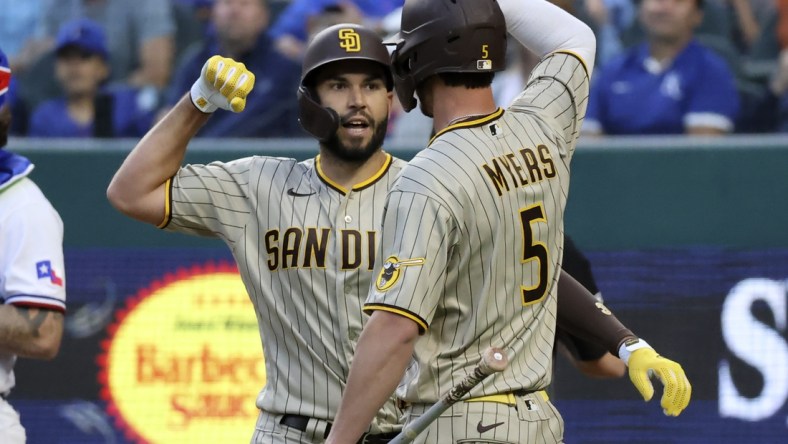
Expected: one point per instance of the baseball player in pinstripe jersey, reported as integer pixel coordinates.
(304, 234)
(472, 235)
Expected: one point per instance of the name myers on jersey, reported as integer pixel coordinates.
(528, 166)
(296, 247)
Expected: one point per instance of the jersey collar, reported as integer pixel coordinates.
(12, 168)
(359, 186)
(468, 123)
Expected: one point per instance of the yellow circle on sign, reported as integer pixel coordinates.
(185, 363)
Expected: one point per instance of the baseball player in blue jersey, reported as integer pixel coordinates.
(32, 275)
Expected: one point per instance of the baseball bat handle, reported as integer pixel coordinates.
(493, 360)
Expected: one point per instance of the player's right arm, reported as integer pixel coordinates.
(139, 186)
(30, 332)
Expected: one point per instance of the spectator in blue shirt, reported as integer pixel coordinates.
(670, 84)
(239, 33)
(88, 108)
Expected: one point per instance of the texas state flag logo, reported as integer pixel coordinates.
(45, 270)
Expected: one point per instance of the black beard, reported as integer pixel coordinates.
(349, 154)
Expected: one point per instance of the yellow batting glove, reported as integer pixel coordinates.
(223, 83)
(644, 362)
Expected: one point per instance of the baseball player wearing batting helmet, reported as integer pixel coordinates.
(473, 231)
(302, 233)
(32, 275)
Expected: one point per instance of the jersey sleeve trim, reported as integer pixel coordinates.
(423, 326)
(167, 204)
(36, 301)
(577, 56)
(476, 122)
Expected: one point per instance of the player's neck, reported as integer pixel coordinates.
(455, 104)
(347, 174)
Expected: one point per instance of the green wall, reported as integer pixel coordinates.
(652, 198)
(625, 193)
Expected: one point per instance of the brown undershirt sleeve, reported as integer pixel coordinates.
(582, 315)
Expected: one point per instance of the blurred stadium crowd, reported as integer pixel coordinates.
(111, 68)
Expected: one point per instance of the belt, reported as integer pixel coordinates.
(300, 422)
(508, 398)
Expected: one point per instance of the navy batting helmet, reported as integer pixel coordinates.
(442, 36)
(333, 44)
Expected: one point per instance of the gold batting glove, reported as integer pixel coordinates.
(223, 83)
(644, 362)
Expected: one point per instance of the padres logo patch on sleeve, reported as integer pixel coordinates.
(389, 274)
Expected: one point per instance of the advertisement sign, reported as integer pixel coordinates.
(188, 350)
(162, 346)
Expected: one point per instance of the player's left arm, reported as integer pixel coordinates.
(582, 315)
(30, 332)
(384, 350)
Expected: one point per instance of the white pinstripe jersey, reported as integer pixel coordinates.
(305, 250)
(472, 237)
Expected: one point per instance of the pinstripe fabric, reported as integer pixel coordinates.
(483, 208)
(532, 420)
(305, 251)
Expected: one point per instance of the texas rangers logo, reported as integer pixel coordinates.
(389, 274)
(45, 270)
(349, 40)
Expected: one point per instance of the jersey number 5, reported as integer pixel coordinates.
(534, 251)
